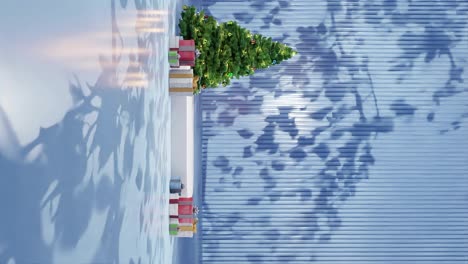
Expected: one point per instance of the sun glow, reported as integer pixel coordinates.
(80, 52)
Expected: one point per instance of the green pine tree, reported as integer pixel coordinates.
(227, 50)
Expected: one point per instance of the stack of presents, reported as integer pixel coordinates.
(181, 59)
(182, 212)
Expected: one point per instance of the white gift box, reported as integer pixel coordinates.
(181, 83)
(185, 234)
(174, 209)
(181, 80)
(174, 42)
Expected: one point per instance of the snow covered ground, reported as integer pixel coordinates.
(84, 131)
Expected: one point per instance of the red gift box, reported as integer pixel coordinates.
(186, 219)
(185, 209)
(187, 63)
(187, 45)
(185, 200)
(187, 55)
(174, 43)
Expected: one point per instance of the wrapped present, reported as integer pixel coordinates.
(185, 200)
(182, 219)
(186, 227)
(184, 234)
(173, 229)
(181, 81)
(184, 48)
(174, 59)
(187, 230)
(174, 43)
(187, 58)
(188, 218)
(182, 67)
(173, 198)
(187, 45)
(173, 54)
(186, 55)
(173, 211)
(186, 206)
(178, 229)
(181, 73)
(185, 209)
(187, 63)
(178, 44)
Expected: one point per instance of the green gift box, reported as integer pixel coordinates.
(173, 229)
(173, 58)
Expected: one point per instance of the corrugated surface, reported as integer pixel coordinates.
(355, 151)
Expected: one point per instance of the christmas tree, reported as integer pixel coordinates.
(228, 50)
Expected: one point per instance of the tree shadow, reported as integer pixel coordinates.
(338, 146)
(55, 181)
(250, 179)
(73, 170)
(444, 31)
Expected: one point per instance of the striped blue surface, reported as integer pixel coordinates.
(354, 151)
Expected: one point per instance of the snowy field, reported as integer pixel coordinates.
(84, 131)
